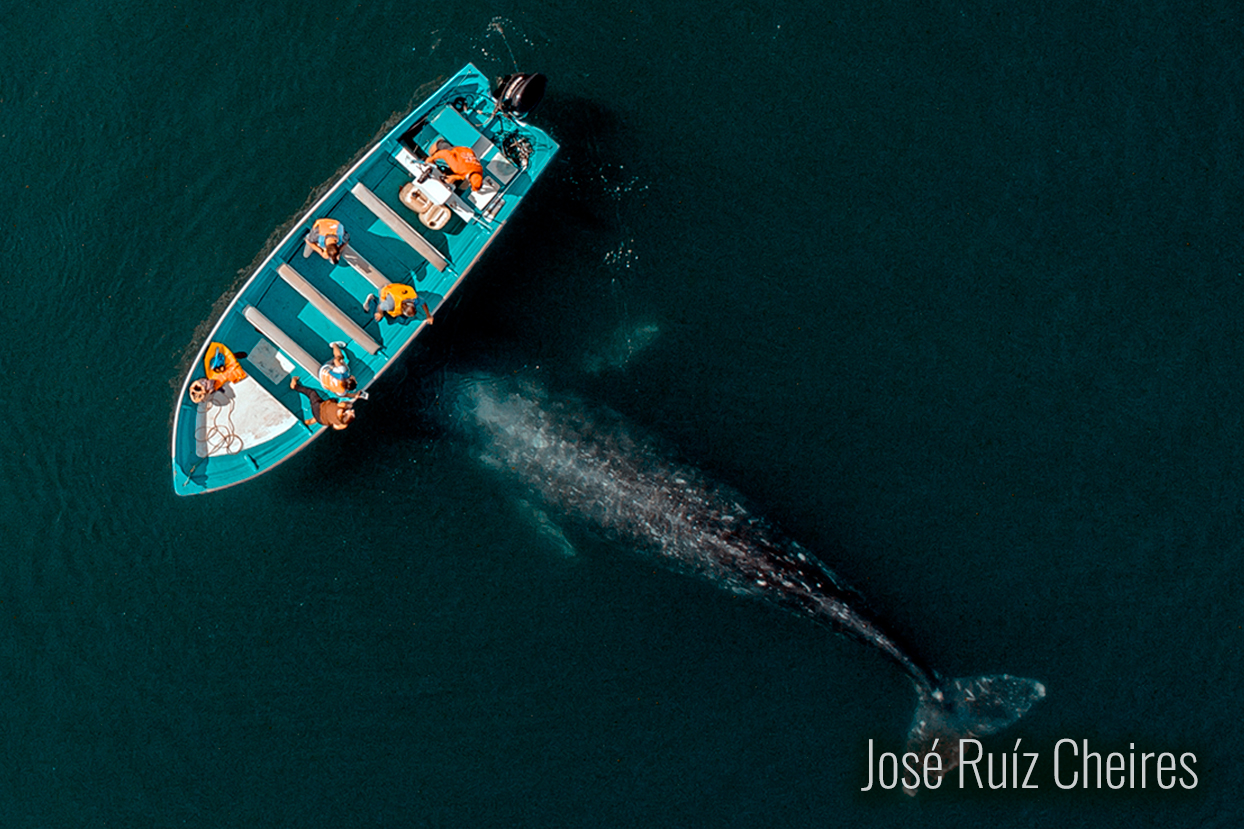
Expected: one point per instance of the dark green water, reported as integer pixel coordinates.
(951, 292)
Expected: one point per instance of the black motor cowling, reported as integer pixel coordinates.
(519, 94)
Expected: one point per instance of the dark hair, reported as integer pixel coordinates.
(350, 383)
(409, 308)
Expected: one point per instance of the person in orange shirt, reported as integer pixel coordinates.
(462, 164)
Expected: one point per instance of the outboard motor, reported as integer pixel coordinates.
(519, 94)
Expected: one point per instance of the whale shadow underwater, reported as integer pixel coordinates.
(590, 465)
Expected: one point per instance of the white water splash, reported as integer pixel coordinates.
(624, 254)
(501, 27)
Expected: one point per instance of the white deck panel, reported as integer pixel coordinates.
(275, 365)
(239, 417)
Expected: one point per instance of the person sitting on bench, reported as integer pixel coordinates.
(396, 300)
(326, 237)
(335, 375)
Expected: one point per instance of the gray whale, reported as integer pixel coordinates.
(590, 465)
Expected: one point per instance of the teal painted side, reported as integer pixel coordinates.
(460, 243)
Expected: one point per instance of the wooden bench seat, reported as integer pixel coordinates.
(366, 269)
(399, 226)
(322, 304)
(282, 341)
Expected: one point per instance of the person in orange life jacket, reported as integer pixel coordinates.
(335, 375)
(335, 413)
(220, 372)
(396, 300)
(326, 237)
(462, 164)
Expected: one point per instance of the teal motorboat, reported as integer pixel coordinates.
(406, 231)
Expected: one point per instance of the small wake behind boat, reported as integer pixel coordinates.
(399, 227)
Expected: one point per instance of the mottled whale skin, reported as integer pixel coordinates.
(590, 465)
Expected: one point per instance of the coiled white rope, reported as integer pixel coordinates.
(217, 437)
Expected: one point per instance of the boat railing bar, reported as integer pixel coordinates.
(398, 225)
(326, 307)
(282, 340)
(368, 271)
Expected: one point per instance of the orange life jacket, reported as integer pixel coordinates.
(327, 229)
(463, 164)
(232, 372)
(400, 294)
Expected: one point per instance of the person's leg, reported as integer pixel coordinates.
(311, 394)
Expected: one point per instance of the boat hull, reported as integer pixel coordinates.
(296, 303)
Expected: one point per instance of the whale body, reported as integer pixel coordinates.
(589, 464)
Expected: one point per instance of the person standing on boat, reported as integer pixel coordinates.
(326, 237)
(331, 412)
(462, 164)
(335, 375)
(396, 300)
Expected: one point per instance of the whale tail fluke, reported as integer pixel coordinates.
(973, 706)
